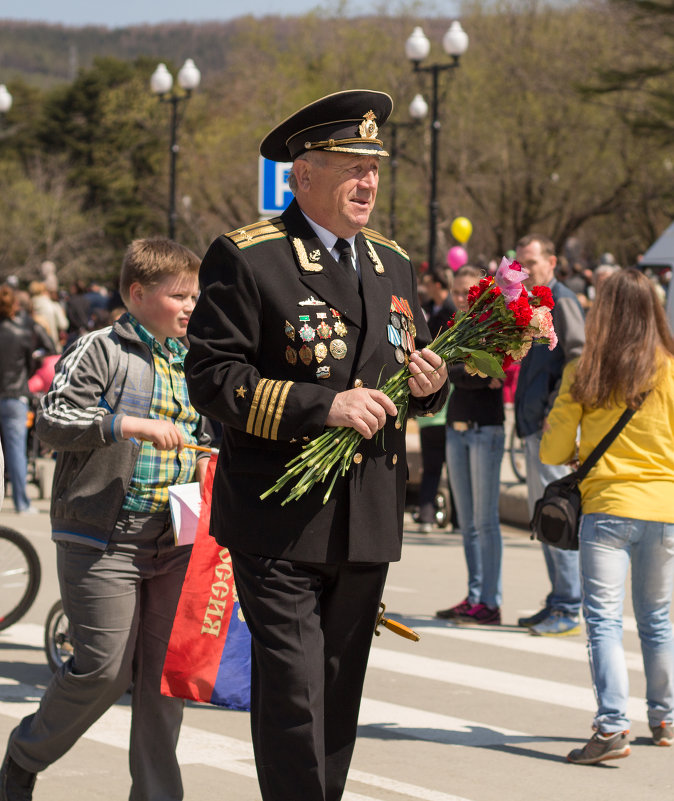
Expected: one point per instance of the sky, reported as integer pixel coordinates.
(121, 13)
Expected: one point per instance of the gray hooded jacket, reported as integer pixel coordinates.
(103, 376)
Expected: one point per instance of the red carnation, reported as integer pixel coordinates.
(476, 291)
(544, 295)
(507, 361)
(522, 311)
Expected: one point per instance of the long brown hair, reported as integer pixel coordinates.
(627, 336)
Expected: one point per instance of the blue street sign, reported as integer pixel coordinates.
(273, 193)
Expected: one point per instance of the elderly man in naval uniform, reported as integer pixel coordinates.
(299, 320)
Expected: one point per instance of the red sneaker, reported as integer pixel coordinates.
(455, 612)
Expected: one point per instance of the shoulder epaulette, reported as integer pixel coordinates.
(256, 233)
(379, 239)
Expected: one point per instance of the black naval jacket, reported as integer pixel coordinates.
(254, 366)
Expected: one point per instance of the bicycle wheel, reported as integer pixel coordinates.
(517, 456)
(19, 576)
(57, 642)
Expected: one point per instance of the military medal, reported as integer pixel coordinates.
(395, 320)
(306, 354)
(412, 329)
(291, 355)
(290, 330)
(403, 321)
(307, 333)
(337, 348)
(399, 354)
(393, 335)
(339, 327)
(323, 372)
(324, 330)
(320, 352)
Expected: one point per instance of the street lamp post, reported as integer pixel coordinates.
(161, 84)
(417, 47)
(418, 109)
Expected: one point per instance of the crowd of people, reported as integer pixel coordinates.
(296, 323)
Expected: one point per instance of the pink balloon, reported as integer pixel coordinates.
(457, 257)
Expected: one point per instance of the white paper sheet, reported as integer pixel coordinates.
(185, 504)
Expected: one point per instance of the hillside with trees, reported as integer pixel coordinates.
(540, 130)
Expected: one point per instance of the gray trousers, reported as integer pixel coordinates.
(121, 603)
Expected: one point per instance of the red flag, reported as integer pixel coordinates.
(208, 655)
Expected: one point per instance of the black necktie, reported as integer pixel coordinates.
(346, 262)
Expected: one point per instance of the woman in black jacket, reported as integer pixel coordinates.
(475, 445)
(16, 365)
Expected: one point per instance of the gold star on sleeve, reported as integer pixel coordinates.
(241, 392)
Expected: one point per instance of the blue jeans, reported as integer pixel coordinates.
(13, 412)
(562, 565)
(474, 463)
(607, 544)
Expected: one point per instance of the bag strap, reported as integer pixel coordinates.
(603, 446)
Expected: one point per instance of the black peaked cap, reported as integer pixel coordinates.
(345, 122)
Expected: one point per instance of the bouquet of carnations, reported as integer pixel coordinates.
(502, 322)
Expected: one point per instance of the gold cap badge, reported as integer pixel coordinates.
(368, 128)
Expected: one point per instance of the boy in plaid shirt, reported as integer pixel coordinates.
(119, 416)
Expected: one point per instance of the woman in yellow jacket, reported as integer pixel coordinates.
(628, 506)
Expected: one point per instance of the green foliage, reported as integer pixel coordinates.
(84, 153)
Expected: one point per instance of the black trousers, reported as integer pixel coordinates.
(311, 627)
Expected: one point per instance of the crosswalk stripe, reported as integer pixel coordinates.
(516, 639)
(528, 688)
(197, 746)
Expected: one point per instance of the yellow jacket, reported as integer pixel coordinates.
(635, 477)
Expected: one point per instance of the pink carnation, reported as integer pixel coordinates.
(542, 320)
(509, 276)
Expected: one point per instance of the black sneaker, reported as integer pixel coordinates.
(16, 784)
(534, 620)
(601, 747)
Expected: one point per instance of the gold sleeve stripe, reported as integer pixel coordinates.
(279, 409)
(379, 239)
(267, 407)
(270, 410)
(253, 406)
(259, 420)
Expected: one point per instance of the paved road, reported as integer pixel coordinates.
(466, 714)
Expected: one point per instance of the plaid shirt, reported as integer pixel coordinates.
(155, 470)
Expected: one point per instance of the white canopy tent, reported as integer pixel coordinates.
(661, 254)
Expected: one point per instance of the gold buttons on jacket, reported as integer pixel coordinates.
(395, 458)
(358, 383)
(358, 458)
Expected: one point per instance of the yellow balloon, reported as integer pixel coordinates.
(461, 229)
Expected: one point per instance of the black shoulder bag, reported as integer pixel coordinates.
(557, 514)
